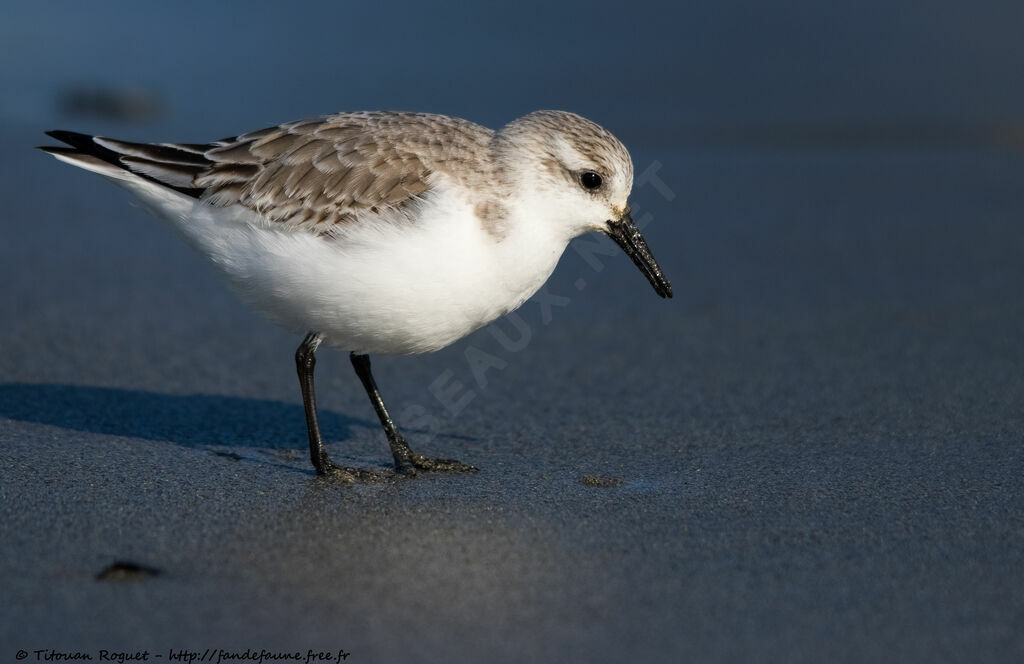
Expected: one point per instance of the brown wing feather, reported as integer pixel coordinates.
(319, 173)
(312, 174)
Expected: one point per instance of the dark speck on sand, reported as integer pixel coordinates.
(126, 571)
(600, 481)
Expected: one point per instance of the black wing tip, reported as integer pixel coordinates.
(84, 144)
(60, 133)
(57, 149)
(72, 138)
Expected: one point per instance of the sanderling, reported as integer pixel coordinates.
(383, 232)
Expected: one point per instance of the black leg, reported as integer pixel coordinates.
(406, 461)
(305, 362)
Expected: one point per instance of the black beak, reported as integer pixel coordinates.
(627, 235)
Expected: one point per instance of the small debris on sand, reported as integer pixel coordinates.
(122, 570)
(600, 481)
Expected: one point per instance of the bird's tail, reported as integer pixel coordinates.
(159, 175)
(174, 166)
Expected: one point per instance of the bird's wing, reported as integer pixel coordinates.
(310, 175)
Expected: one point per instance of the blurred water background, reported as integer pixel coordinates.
(738, 71)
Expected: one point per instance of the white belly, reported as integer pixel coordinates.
(396, 286)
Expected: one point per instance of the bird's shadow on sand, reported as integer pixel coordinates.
(193, 420)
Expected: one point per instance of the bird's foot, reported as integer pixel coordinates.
(408, 468)
(336, 473)
(421, 462)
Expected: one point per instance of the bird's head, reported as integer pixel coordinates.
(577, 177)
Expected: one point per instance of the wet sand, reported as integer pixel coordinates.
(813, 452)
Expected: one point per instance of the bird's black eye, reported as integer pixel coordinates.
(590, 180)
